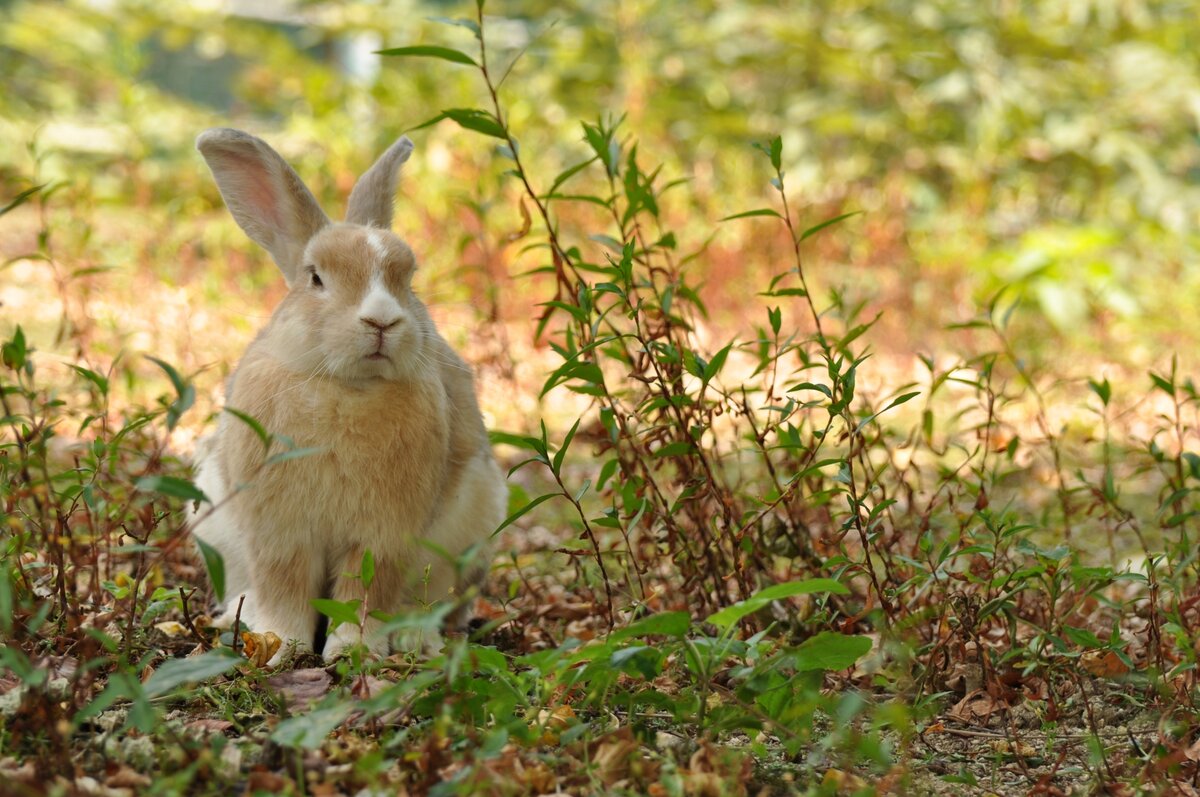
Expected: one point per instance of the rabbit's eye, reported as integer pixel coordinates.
(316, 280)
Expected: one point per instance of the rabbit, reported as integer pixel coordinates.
(351, 366)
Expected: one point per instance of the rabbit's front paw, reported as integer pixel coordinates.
(346, 636)
(296, 636)
(289, 651)
(423, 642)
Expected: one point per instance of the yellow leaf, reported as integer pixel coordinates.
(171, 628)
(260, 647)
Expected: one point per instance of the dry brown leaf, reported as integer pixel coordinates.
(1192, 753)
(1103, 663)
(24, 774)
(207, 726)
(975, 708)
(301, 688)
(708, 784)
(1013, 748)
(261, 780)
(508, 773)
(124, 777)
(717, 772)
(260, 647)
(612, 755)
(554, 722)
(526, 223)
(841, 782)
(1035, 688)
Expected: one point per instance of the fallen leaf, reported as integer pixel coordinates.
(126, 778)
(261, 780)
(554, 722)
(841, 782)
(1103, 663)
(1013, 748)
(613, 756)
(172, 628)
(717, 772)
(975, 708)
(259, 648)
(207, 726)
(1192, 753)
(301, 688)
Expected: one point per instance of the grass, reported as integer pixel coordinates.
(754, 544)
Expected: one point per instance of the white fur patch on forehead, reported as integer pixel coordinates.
(379, 304)
(376, 241)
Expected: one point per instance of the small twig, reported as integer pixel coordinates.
(237, 623)
(187, 619)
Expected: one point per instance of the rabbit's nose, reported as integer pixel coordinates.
(381, 324)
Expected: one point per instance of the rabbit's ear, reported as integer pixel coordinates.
(266, 197)
(373, 194)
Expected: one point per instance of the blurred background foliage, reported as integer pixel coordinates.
(1047, 146)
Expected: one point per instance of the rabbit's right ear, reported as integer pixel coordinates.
(265, 195)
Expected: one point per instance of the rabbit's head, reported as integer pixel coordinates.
(350, 312)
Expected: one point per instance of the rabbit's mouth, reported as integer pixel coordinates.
(378, 355)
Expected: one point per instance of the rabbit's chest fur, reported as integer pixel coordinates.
(378, 472)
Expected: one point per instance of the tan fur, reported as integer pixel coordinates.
(401, 453)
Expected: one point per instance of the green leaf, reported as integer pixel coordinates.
(175, 673)
(829, 650)
(715, 365)
(99, 381)
(172, 486)
(732, 614)
(1083, 637)
(679, 448)
(214, 563)
(674, 624)
(294, 453)
(471, 119)
(1165, 385)
(338, 611)
(185, 392)
(896, 402)
(487, 659)
(557, 462)
(640, 659)
(263, 435)
(1102, 389)
(366, 571)
(16, 350)
(748, 213)
(309, 730)
(516, 440)
(811, 386)
(429, 51)
(565, 175)
(605, 147)
(508, 521)
(774, 151)
(828, 222)
(22, 198)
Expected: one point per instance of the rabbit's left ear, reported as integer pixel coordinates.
(266, 197)
(375, 192)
